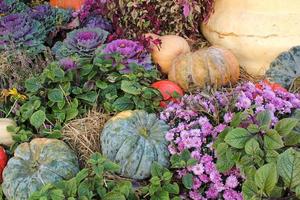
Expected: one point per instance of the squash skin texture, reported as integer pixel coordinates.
(123, 141)
(256, 31)
(35, 164)
(285, 69)
(213, 66)
(171, 47)
(5, 136)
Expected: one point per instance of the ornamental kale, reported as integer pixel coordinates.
(12, 6)
(50, 17)
(19, 31)
(98, 22)
(132, 52)
(81, 42)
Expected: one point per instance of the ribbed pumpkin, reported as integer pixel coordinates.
(285, 69)
(73, 4)
(134, 140)
(256, 31)
(35, 164)
(213, 66)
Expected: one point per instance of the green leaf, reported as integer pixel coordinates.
(123, 103)
(252, 147)
(124, 187)
(249, 189)
(272, 140)
(288, 165)
(101, 84)
(185, 155)
(130, 87)
(111, 167)
(90, 96)
(33, 85)
(237, 119)
(57, 194)
(187, 181)
(114, 196)
(237, 138)
(38, 118)
(297, 191)
(56, 95)
(285, 126)
(266, 177)
(156, 170)
(264, 118)
(167, 176)
(171, 188)
(292, 139)
(272, 156)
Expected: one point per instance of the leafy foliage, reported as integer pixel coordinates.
(12, 6)
(131, 19)
(264, 153)
(57, 96)
(94, 183)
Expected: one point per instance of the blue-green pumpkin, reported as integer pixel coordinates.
(36, 164)
(285, 69)
(134, 140)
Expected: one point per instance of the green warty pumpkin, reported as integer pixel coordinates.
(36, 164)
(134, 140)
(285, 69)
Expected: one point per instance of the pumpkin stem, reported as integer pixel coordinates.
(143, 132)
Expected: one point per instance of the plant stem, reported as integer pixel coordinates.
(11, 109)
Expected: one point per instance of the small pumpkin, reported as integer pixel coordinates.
(5, 136)
(36, 164)
(3, 161)
(134, 140)
(285, 69)
(67, 4)
(171, 46)
(168, 89)
(214, 66)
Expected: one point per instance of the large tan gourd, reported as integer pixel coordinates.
(5, 136)
(256, 31)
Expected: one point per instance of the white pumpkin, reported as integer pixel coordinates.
(5, 136)
(256, 31)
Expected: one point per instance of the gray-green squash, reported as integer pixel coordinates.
(35, 164)
(134, 140)
(285, 69)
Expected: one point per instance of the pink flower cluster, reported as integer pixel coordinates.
(196, 122)
(193, 130)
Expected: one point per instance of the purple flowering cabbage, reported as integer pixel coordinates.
(19, 31)
(81, 42)
(49, 16)
(98, 22)
(12, 6)
(132, 52)
(196, 122)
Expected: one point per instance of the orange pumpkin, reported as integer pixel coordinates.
(213, 66)
(171, 47)
(73, 4)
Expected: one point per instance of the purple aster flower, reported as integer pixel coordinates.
(198, 169)
(232, 181)
(132, 52)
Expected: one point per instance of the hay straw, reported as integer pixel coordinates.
(83, 135)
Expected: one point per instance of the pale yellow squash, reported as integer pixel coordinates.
(256, 31)
(5, 136)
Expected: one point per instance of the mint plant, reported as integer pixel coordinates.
(265, 152)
